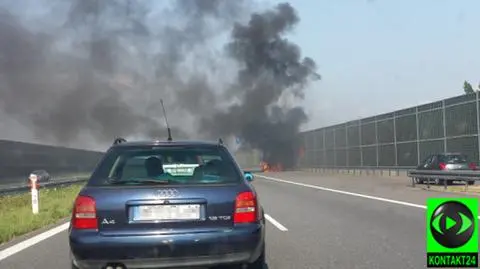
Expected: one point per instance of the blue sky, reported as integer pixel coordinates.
(377, 56)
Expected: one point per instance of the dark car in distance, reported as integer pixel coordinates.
(446, 161)
(167, 205)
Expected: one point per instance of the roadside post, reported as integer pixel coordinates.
(34, 191)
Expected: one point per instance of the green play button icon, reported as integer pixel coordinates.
(449, 223)
(452, 235)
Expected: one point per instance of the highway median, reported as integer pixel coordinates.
(16, 210)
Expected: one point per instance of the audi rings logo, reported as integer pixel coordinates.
(166, 193)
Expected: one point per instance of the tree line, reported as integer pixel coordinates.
(468, 88)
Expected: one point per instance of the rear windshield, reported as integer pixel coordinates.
(453, 159)
(166, 165)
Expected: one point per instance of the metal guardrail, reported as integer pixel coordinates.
(447, 176)
(9, 190)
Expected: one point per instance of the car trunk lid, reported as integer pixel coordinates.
(130, 210)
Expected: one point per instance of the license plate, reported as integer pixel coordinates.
(178, 170)
(166, 212)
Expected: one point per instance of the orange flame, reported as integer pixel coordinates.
(266, 167)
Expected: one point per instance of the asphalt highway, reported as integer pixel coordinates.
(315, 222)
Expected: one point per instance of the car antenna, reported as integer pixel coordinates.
(166, 121)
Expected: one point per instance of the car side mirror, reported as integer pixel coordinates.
(248, 176)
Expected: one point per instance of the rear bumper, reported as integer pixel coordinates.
(240, 245)
(212, 260)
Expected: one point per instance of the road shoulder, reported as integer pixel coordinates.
(22, 238)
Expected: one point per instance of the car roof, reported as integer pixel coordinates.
(166, 143)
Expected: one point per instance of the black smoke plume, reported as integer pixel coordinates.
(271, 67)
(81, 72)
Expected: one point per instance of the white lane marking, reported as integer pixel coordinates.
(346, 192)
(32, 241)
(276, 223)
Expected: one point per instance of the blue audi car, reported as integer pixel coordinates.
(167, 204)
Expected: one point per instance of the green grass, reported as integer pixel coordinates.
(16, 217)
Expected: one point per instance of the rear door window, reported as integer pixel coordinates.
(453, 159)
(166, 165)
(426, 162)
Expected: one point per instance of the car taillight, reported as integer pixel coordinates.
(472, 166)
(442, 166)
(84, 213)
(245, 208)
